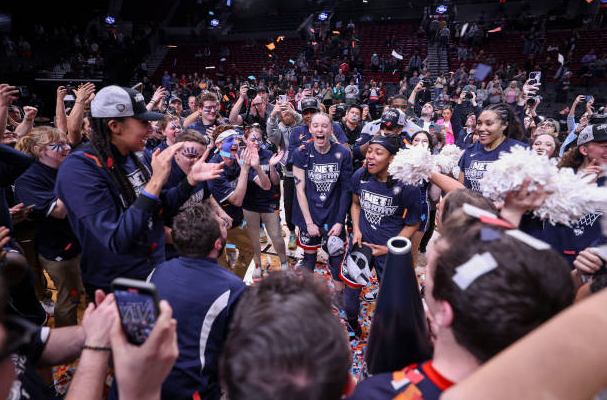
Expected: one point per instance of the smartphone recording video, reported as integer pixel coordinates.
(138, 306)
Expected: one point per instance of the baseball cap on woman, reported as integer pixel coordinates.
(116, 101)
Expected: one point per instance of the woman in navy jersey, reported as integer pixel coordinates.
(114, 197)
(56, 245)
(429, 195)
(498, 131)
(263, 204)
(381, 208)
(321, 171)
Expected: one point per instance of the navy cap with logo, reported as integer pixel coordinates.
(116, 102)
(175, 98)
(309, 103)
(392, 117)
(593, 133)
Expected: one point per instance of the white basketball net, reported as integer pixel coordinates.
(374, 219)
(323, 187)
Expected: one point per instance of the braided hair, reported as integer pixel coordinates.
(101, 144)
(394, 140)
(507, 115)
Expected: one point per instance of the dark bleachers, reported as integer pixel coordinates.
(509, 48)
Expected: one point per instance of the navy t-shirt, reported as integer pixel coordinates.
(476, 159)
(301, 135)
(327, 180)
(203, 296)
(12, 164)
(418, 381)
(55, 239)
(117, 239)
(28, 384)
(223, 187)
(257, 199)
(384, 211)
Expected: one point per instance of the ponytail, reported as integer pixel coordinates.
(101, 144)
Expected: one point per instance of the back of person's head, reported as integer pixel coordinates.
(191, 135)
(285, 343)
(456, 199)
(491, 311)
(38, 139)
(195, 230)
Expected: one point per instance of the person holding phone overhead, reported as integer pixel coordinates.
(114, 198)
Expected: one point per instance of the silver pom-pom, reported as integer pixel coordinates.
(570, 196)
(448, 159)
(510, 170)
(412, 166)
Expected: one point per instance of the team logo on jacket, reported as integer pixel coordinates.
(375, 207)
(323, 176)
(138, 181)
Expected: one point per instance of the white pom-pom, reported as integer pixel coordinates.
(448, 159)
(570, 198)
(508, 172)
(412, 166)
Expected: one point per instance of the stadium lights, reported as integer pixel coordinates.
(441, 9)
(322, 16)
(214, 22)
(110, 20)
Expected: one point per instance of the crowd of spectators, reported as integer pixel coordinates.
(178, 183)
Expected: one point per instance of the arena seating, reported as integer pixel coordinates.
(509, 48)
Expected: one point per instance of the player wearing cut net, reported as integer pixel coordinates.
(322, 172)
(381, 208)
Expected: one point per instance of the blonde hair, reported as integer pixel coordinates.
(39, 137)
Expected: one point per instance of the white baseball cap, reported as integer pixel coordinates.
(116, 101)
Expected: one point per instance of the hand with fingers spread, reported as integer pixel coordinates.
(377, 249)
(85, 93)
(588, 262)
(275, 159)
(8, 94)
(158, 95)
(140, 370)
(203, 171)
(161, 167)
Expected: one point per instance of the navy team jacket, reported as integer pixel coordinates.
(117, 240)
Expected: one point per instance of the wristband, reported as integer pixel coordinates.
(96, 348)
(148, 194)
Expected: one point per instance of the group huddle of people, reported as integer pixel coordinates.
(122, 187)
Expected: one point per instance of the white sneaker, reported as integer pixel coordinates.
(371, 296)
